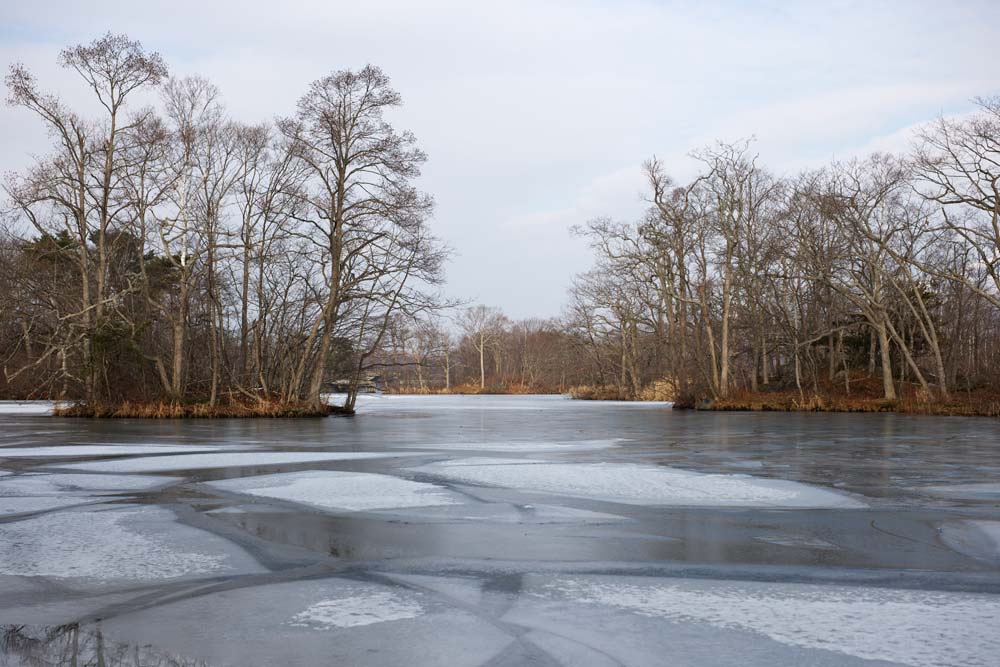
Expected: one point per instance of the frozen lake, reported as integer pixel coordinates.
(500, 531)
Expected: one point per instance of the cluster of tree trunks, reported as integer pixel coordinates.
(884, 268)
(168, 252)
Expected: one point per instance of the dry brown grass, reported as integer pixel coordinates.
(599, 393)
(177, 410)
(983, 403)
(658, 390)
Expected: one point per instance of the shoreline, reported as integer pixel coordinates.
(170, 410)
(976, 406)
(984, 406)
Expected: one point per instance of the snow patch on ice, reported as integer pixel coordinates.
(137, 543)
(920, 628)
(642, 484)
(226, 460)
(72, 451)
(357, 610)
(349, 491)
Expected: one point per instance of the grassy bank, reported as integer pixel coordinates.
(193, 410)
(865, 396)
(661, 390)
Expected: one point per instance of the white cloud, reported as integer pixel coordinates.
(538, 115)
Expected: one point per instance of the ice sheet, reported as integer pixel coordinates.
(333, 621)
(57, 483)
(920, 628)
(521, 446)
(495, 512)
(69, 451)
(534, 403)
(10, 505)
(978, 538)
(349, 491)
(984, 491)
(642, 484)
(131, 543)
(227, 460)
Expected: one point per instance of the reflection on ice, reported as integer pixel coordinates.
(640, 484)
(75, 645)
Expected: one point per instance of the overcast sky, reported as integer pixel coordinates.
(537, 115)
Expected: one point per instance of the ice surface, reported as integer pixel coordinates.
(25, 504)
(395, 402)
(500, 512)
(642, 484)
(803, 542)
(55, 483)
(521, 446)
(69, 451)
(333, 621)
(920, 628)
(226, 460)
(35, 492)
(984, 491)
(131, 543)
(350, 491)
(26, 407)
(352, 611)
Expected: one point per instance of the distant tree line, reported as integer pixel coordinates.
(879, 274)
(161, 251)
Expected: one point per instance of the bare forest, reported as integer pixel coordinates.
(162, 253)
(867, 284)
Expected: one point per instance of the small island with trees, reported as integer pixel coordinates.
(165, 260)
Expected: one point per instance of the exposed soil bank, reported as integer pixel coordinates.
(196, 410)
